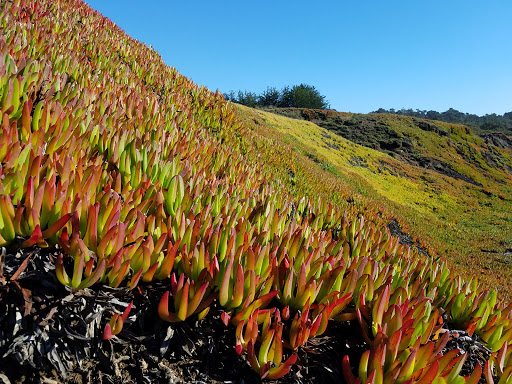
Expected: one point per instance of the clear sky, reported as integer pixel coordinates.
(360, 54)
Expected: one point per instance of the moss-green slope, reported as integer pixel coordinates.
(448, 187)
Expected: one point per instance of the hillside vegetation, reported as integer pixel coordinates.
(451, 188)
(486, 123)
(136, 207)
(298, 96)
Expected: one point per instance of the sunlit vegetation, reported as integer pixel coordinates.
(137, 175)
(447, 185)
(489, 122)
(298, 96)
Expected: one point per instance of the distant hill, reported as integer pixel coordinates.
(486, 123)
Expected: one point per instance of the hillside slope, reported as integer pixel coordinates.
(451, 188)
(152, 232)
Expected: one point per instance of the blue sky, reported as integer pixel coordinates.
(360, 54)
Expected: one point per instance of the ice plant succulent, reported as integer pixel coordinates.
(84, 274)
(139, 175)
(115, 325)
(188, 299)
(268, 362)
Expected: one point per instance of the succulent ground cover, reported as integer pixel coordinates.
(133, 211)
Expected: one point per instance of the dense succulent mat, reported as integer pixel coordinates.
(129, 188)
